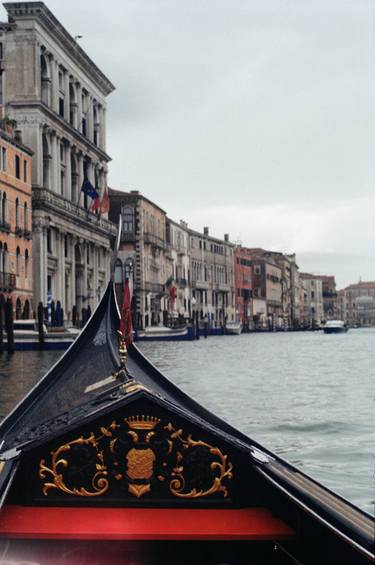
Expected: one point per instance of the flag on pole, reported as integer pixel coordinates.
(104, 205)
(95, 205)
(126, 328)
(88, 189)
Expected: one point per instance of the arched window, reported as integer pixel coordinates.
(26, 263)
(18, 309)
(1, 260)
(62, 169)
(74, 178)
(85, 165)
(45, 80)
(96, 125)
(25, 218)
(118, 272)
(18, 253)
(17, 213)
(5, 258)
(4, 208)
(18, 166)
(46, 162)
(26, 310)
(72, 105)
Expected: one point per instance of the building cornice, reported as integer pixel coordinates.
(39, 12)
(62, 123)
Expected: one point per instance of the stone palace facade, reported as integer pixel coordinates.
(57, 95)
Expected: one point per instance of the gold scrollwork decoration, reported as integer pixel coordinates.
(137, 456)
(177, 484)
(99, 481)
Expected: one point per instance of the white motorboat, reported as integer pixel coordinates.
(233, 328)
(163, 333)
(335, 327)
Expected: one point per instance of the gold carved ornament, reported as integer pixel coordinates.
(140, 461)
(224, 466)
(99, 481)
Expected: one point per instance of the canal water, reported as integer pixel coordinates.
(307, 396)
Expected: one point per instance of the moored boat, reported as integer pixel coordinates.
(26, 336)
(334, 327)
(163, 333)
(105, 452)
(233, 328)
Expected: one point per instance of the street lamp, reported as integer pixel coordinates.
(195, 317)
(129, 275)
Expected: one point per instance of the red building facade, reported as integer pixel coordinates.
(243, 282)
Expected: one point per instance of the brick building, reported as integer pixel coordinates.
(329, 297)
(267, 289)
(144, 254)
(16, 255)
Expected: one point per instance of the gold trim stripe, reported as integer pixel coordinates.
(2, 465)
(327, 498)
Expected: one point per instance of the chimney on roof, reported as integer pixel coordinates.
(205, 230)
(18, 136)
(134, 192)
(226, 237)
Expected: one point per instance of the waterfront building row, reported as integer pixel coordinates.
(181, 274)
(54, 248)
(178, 273)
(273, 294)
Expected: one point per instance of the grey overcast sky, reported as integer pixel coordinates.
(253, 117)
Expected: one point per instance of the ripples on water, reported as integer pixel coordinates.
(307, 396)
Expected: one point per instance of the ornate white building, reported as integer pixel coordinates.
(178, 238)
(57, 95)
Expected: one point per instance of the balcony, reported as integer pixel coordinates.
(155, 288)
(223, 287)
(202, 285)
(127, 237)
(154, 240)
(27, 234)
(5, 227)
(45, 199)
(18, 231)
(7, 282)
(181, 282)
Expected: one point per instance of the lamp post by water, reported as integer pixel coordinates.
(195, 317)
(129, 275)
